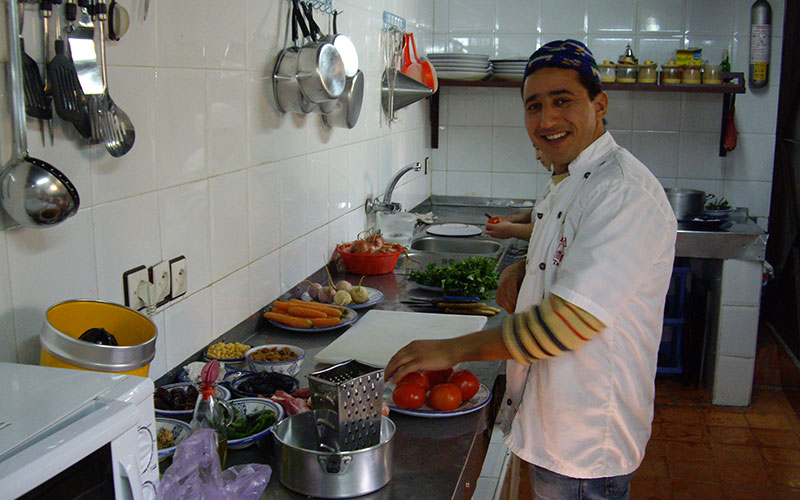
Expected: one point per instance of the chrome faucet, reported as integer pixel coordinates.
(386, 204)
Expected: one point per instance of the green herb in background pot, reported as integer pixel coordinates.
(717, 204)
(471, 277)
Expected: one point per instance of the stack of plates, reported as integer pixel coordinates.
(452, 66)
(509, 69)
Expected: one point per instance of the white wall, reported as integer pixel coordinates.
(675, 134)
(255, 200)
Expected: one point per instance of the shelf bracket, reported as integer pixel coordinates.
(434, 116)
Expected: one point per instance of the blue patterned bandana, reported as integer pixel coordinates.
(567, 54)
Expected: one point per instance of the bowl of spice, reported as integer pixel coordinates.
(279, 358)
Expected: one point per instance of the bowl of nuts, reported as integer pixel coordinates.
(280, 358)
(231, 353)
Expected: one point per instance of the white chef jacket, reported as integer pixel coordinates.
(604, 240)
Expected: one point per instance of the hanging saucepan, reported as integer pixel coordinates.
(320, 69)
(32, 192)
(347, 109)
(345, 47)
(285, 87)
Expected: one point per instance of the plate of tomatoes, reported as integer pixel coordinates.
(437, 394)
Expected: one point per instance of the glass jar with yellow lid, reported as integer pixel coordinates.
(647, 72)
(607, 71)
(671, 73)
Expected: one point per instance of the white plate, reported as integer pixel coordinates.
(453, 229)
(478, 401)
(469, 76)
(474, 69)
(455, 55)
(373, 297)
(457, 65)
(349, 317)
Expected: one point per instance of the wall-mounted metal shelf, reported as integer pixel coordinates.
(733, 84)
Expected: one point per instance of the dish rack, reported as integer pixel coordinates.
(346, 399)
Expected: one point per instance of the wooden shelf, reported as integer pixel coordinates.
(733, 84)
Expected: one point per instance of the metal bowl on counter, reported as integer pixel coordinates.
(307, 470)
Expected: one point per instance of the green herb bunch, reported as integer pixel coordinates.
(471, 277)
(718, 204)
(247, 425)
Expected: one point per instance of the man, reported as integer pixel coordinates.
(589, 300)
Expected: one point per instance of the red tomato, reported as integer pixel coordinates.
(467, 383)
(437, 377)
(494, 220)
(445, 397)
(408, 395)
(418, 378)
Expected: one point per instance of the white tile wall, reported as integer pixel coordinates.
(254, 199)
(675, 134)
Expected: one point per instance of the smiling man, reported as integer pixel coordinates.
(587, 302)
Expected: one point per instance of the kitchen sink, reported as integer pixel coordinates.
(443, 251)
(472, 246)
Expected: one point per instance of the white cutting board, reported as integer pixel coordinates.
(378, 334)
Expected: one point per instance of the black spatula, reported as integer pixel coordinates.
(68, 97)
(37, 103)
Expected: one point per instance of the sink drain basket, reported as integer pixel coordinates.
(346, 400)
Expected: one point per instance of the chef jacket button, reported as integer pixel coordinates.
(586, 175)
(559, 215)
(541, 266)
(508, 401)
(539, 215)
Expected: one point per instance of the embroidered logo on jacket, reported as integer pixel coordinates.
(560, 251)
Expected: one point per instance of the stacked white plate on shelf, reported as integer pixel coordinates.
(455, 66)
(509, 69)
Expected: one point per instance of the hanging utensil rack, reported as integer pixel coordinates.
(324, 6)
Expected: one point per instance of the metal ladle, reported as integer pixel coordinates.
(33, 192)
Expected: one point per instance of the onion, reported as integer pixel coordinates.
(313, 290)
(360, 246)
(342, 298)
(325, 294)
(343, 285)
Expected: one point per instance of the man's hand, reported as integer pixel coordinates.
(501, 230)
(508, 288)
(422, 355)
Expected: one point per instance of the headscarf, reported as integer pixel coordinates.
(567, 54)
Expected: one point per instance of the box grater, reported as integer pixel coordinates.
(346, 399)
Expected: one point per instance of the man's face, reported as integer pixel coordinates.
(560, 118)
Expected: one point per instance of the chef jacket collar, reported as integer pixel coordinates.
(591, 157)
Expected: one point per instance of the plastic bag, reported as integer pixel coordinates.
(195, 474)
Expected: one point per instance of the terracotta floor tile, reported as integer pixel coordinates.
(767, 400)
(696, 490)
(682, 415)
(656, 448)
(730, 435)
(743, 473)
(653, 467)
(695, 471)
(725, 417)
(784, 475)
(748, 491)
(680, 451)
(781, 456)
(691, 433)
(734, 454)
(777, 420)
(776, 438)
(650, 488)
(782, 493)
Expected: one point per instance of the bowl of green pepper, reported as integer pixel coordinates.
(253, 419)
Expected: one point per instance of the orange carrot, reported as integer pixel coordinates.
(318, 322)
(306, 312)
(330, 310)
(280, 305)
(288, 320)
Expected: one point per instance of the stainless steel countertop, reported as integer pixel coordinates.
(434, 459)
(739, 238)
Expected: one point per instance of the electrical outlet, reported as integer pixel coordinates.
(160, 277)
(130, 284)
(179, 276)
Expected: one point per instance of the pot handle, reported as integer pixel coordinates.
(334, 464)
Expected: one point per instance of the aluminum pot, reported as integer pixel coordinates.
(324, 474)
(686, 203)
(320, 68)
(347, 108)
(285, 87)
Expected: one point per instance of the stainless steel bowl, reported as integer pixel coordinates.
(306, 470)
(34, 193)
